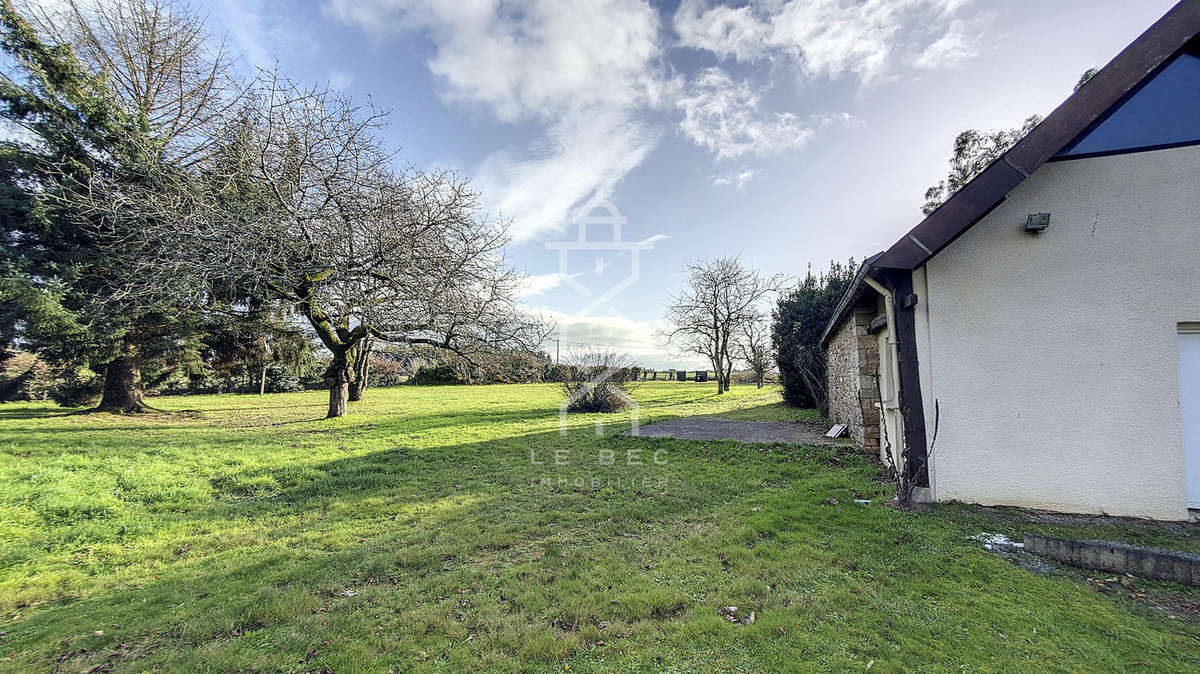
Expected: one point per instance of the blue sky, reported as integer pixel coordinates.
(791, 132)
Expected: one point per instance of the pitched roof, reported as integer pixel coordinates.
(1106, 90)
(1134, 65)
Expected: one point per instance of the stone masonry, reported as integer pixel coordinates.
(853, 357)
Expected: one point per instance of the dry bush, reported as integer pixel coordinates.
(598, 381)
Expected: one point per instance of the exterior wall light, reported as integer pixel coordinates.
(1036, 222)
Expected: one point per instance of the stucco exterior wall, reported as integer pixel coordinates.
(853, 357)
(1050, 361)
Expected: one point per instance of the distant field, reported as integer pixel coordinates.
(431, 529)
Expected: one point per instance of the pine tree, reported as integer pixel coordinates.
(65, 279)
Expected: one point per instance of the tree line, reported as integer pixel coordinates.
(151, 200)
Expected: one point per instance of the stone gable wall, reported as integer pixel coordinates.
(853, 357)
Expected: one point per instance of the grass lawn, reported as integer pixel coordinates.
(245, 533)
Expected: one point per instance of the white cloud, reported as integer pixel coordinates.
(529, 57)
(737, 178)
(585, 156)
(826, 37)
(584, 68)
(950, 50)
(637, 339)
(725, 31)
(726, 117)
(262, 32)
(588, 71)
(540, 284)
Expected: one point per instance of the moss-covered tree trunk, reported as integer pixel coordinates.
(362, 368)
(337, 377)
(123, 382)
(342, 343)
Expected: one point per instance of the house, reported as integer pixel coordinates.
(1036, 340)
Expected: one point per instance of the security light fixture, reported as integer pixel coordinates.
(1036, 222)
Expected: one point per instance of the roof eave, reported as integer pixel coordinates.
(987, 190)
(846, 304)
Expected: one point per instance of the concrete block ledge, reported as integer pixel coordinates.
(1144, 562)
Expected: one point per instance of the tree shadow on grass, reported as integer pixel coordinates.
(217, 427)
(772, 412)
(250, 408)
(22, 412)
(395, 517)
(458, 550)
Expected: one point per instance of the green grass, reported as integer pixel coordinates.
(245, 533)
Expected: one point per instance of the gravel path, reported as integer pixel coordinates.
(692, 428)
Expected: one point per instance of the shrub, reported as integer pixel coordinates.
(799, 319)
(556, 373)
(436, 375)
(313, 376)
(511, 367)
(598, 381)
(24, 376)
(282, 379)
(77, 387)
(386, 371)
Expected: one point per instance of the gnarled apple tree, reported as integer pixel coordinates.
(311, 205)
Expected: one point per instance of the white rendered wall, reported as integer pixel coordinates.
(1053, 358)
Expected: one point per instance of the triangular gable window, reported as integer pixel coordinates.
(1164, 112)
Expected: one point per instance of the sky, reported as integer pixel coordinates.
(788, 132)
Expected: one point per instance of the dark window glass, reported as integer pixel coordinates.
(1164, 112)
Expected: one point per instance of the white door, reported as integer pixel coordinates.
(1189, 408)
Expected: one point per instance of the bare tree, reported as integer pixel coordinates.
(159, 59)
(720, 299)
(307, 202)
(754, 349)
(298, 203)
